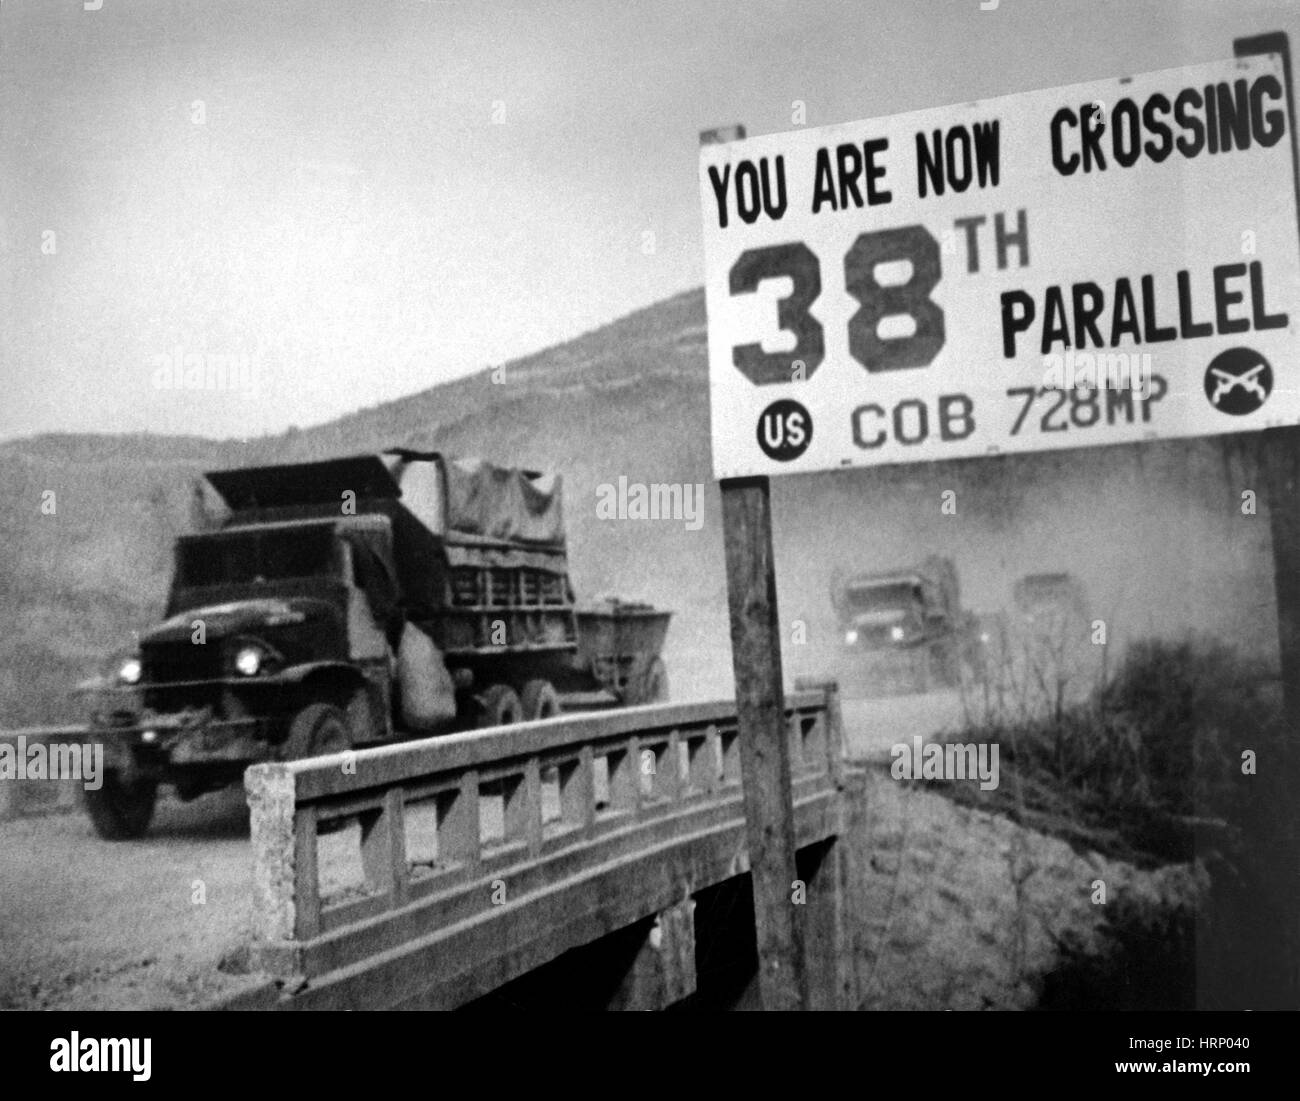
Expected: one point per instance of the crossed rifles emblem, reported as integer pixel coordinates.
(1226, 382)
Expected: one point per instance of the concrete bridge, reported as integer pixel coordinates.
(591, 857)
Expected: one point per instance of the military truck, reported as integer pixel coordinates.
(351, 602)
(1050, 604)
(903, 625)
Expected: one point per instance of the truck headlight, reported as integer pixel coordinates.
(851, 637)
(249, 661)
(896, 633)
(129, 671)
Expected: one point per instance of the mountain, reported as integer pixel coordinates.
(77, 580)
(1155, 532)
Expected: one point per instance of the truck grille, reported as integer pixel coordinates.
(180, 662)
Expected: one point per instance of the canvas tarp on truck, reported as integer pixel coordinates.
(475, 500)
(503, 504)
(455, 498)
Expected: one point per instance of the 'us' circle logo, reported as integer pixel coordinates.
(1238, 381)
(785, 430)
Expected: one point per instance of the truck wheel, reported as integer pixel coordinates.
(121, 811)
(539, 700)
(500, 707)
(652, 685)
(317, 730)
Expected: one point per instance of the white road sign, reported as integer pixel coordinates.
(1095, 264)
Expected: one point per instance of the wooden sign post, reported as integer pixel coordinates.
(760, 709)
(1279, 455)
(764, 745)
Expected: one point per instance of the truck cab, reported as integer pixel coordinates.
(887, 613)
(264, 622)
(901, 625)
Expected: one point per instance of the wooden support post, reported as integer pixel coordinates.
(1280, 465)
(764, 742)
(1279, 454)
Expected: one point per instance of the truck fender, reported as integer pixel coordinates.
(296, 674)
(428, 696)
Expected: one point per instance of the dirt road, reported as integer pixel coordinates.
(86, 923)
(872, 726)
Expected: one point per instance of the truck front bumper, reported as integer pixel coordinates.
(160, 743)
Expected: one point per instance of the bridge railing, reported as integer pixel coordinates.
(442, 818)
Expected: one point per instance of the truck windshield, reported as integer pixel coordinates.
(892, 595)
(234, 558)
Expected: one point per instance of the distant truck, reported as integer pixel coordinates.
(352, 602)
(912, 614)
(1049, 605)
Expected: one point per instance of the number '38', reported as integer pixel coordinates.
(876, 301)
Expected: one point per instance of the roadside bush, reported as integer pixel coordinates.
(1152, 760)
(1149, 769)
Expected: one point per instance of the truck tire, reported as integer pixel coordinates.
(121, 811)
(652, 685)
(539, 700)
(316, 731)
(500, 707)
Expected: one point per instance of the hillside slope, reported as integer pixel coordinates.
(1155, 532)
(626, 400)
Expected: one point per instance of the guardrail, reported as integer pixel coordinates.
(487, 853)
(28, 797)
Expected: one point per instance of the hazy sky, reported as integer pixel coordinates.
(367, 197)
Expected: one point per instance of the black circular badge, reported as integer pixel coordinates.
(785, 430)
(1238, 381)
